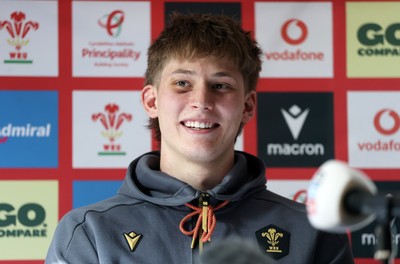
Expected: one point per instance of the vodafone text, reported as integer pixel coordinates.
(297, 55)
(379, 146)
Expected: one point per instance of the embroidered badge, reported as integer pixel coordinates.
(273, 241)
(133, 239)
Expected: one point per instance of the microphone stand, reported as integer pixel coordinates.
(386, 208)
(385, 213)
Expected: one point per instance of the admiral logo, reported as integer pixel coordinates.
(295, 129)
(27, 131)
(294, 32)
(26, 221)
(28, 127)
(18, 28)
(111, 120)
(375, 37)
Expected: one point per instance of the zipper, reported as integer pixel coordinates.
(204, 201)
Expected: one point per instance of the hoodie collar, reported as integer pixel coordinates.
(145, 181)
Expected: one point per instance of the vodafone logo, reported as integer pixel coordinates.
(294, 31)
(112, 22)
(387, 122)
(300, 196)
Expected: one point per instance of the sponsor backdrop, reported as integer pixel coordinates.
(71, 118)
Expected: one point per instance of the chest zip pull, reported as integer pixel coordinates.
(203, 204)
(206, 220)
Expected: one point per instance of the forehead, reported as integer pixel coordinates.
(210, 64)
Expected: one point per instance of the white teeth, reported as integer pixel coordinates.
(198, 125)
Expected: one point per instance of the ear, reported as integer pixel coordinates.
(149, 100)
(249, 107)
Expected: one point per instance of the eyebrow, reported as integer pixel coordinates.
(189, 72)
(180, 71)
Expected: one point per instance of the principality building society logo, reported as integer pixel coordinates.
(18, 28)
(111, 120)
(112, 22)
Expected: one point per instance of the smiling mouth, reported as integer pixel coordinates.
(199, 125)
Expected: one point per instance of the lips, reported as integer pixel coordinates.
(199, 124)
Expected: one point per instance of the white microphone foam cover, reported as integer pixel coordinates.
(325, 199)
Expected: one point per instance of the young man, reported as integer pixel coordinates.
(199, 92)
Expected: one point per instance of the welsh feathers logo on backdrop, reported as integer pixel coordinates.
(111, 120)
(18, 28)
(110, 131)
(28, 38)
(374, 129)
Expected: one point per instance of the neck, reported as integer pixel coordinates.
(201, 175)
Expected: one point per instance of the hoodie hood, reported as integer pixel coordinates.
(144, 181)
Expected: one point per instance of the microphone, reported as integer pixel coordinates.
(341, 198)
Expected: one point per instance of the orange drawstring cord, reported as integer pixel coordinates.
(210, 222)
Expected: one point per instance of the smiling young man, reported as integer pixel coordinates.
(200, 105)
(197, 190)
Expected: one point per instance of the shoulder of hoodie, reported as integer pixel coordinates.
(78, 216)
(281, 201)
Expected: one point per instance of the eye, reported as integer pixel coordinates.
(182, 83)
(220, 86)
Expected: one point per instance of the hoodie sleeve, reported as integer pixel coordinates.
(71, 244)
(333, 249)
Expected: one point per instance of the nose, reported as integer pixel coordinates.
(202, 98)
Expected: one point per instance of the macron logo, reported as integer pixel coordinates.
(295, 119)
